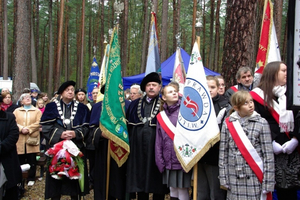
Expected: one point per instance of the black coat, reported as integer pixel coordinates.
(9, 135)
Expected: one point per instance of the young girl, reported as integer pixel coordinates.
(245, 137)
(40, 104)
(208, 186)
(173, 175)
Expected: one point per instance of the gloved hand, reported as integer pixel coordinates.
(290, 146)
(277, 148)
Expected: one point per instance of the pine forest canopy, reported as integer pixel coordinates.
(63, 36)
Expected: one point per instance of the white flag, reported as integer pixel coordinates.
(197, 127)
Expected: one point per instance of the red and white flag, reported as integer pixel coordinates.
(197, 128)
(268, 50)
(179, 73)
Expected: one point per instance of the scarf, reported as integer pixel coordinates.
(4, 106)
(286, 117)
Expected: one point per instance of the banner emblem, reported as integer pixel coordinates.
(196, 108)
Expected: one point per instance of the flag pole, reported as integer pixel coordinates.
(195, 185)
(107, 171)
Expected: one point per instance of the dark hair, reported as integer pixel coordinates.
(268, 81)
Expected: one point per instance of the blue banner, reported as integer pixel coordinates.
(93, 78)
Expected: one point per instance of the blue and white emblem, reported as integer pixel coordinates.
(195, 106)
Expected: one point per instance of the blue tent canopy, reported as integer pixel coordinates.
(166, 70)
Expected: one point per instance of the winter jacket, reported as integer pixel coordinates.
(165, 156)
(211, 157)
(235, 172)
(31, 120)
(9, 135)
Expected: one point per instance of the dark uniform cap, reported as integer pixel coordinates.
(152, 77)
(63, 86)
(80, 90)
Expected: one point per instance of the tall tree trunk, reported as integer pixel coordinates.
(102, 46)
(33, 58)
(239, 38)
(5, 45)
(37, 30)
(66, 44)
(22, 57)
(211, 35)
(217, 38)
(193, 24)
(43, 71)
(58, 61)
(82, 43)
(164, 31)
(155, 5)
(176, 19)
(13, 46)
(1, 37)
(204, 35)
(278, 4)
(145, 36)
(51, 53)
(124, 39)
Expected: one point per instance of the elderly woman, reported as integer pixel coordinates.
(7, 104)
(28, 119)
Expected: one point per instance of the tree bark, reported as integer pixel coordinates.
(239, 38)
(193, 24)
(33, 58)
(50, 74)
(102, 46)
(124, 39)
(278, 4)
(217, 38)
(5, 45)
(58, 61)
(22, 57)
(211, 35)
(164, 31)
(1, 37)
(66, 44)
(82, 44)
(145, 36)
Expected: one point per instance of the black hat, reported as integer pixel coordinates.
(152, 77)
(80, 90)
(102, 90)
(63, 86)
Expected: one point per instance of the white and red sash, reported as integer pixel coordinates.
(248, 152)
(166, 124)
(258, 95)
(234, 88)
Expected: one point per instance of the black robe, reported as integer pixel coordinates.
(142, 172)
(52, 128)
(117, 177)
(9, 135)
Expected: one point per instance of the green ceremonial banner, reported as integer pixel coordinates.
(112, 120)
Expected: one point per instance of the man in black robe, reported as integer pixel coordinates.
(143, 175)
(117, 175)
(65, 119)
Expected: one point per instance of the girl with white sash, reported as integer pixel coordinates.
(270, 102)
(246, 158)
(173, 175)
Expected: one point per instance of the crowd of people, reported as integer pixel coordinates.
(257, 152)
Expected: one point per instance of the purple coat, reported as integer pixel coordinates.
(165, 156)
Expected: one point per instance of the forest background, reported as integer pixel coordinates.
(50, 41)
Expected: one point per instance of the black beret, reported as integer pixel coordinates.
(80, 90)
(102, 90)
(152, 77)
(63, 86)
